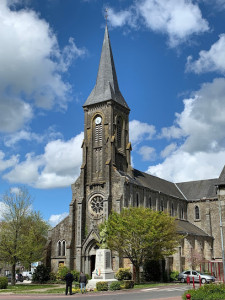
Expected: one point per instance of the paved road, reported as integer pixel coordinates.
(162, 293)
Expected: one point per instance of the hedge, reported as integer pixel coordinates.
(115, 285)
(102, 286)
(209, 292)
(3, 282)
(128, 284)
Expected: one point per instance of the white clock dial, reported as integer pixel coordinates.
(98, 120)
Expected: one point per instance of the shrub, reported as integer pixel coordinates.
(52, 276)
(102, 286)
(128, 284)
(3, 282)
(41, 274)
(115, 285)
(209, 292)
(62, 271)
(123, 274)
(76, 275)
(174, 275)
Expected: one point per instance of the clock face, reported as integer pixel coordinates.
(98, 120)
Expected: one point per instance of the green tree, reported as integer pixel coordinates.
(140, 234)
(23, 232)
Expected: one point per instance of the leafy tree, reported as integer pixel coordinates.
(41, 274)
(140, 233)
(22, 231)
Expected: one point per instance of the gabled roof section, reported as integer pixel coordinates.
(200, 189)
(106, 87)
(153, 183)
(222, 177)
(185, 227)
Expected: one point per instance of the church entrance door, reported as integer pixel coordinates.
(93, 257)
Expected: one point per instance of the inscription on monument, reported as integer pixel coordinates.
(107, 260)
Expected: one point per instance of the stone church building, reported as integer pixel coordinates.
(108, 182)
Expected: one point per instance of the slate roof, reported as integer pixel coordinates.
(106, 87)
(222, 177)
(194, 190)
(185, 227)
(154, 183)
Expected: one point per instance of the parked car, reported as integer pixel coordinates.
(182, 277)
(27, 275)
(19, 277)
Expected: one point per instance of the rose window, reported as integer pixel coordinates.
(96, 204)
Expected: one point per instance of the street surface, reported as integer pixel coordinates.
(166, 293)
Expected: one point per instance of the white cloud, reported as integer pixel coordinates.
(15, 190)
(140, 131)
(147, 153)
(7, 163)
(209, 61)
(168, 150)
(32, 66)
(178, 19)
(183, 166)
(59, 166)
(202, 153)
(55, 219)
(26, 135)
(3, 209)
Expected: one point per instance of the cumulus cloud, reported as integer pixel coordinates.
(183, 166)
(168, 150)
(32, 66)
(26, 135)
(58, 166)
(140, 131)
(7, 163)
(202, 153)
(55, 219)
(178, 19)
(3, 208)
(147, 153)
(209, 61)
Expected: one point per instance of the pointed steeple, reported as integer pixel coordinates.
(106, 87)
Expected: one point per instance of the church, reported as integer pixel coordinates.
(108, 182)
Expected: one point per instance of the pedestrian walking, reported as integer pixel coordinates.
(83, 282)
(69, 279)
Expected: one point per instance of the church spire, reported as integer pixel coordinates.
(106, 87)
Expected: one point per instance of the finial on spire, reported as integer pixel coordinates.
(106, 14)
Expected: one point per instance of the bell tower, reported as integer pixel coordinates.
(106, 155)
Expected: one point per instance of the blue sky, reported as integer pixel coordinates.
(170, 63)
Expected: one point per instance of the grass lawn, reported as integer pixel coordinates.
(26, 287)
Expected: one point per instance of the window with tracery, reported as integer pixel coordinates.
(162, 205)
(63, 248)
(137, 200)
(197, 213)
(150, 202)
(119, 132)
(59, 248)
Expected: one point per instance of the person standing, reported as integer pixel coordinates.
(83, 282)
(69, 279)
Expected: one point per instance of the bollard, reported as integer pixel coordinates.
(193, 282)
(200, 281)
(188, 280)
(188, 296)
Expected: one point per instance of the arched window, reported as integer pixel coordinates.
(119, 132)
(64, 248)
(182, 213)
(197, 213)
(172, 210)
(137, 200)
(150, 202)
(162, 205)
(59, 248)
